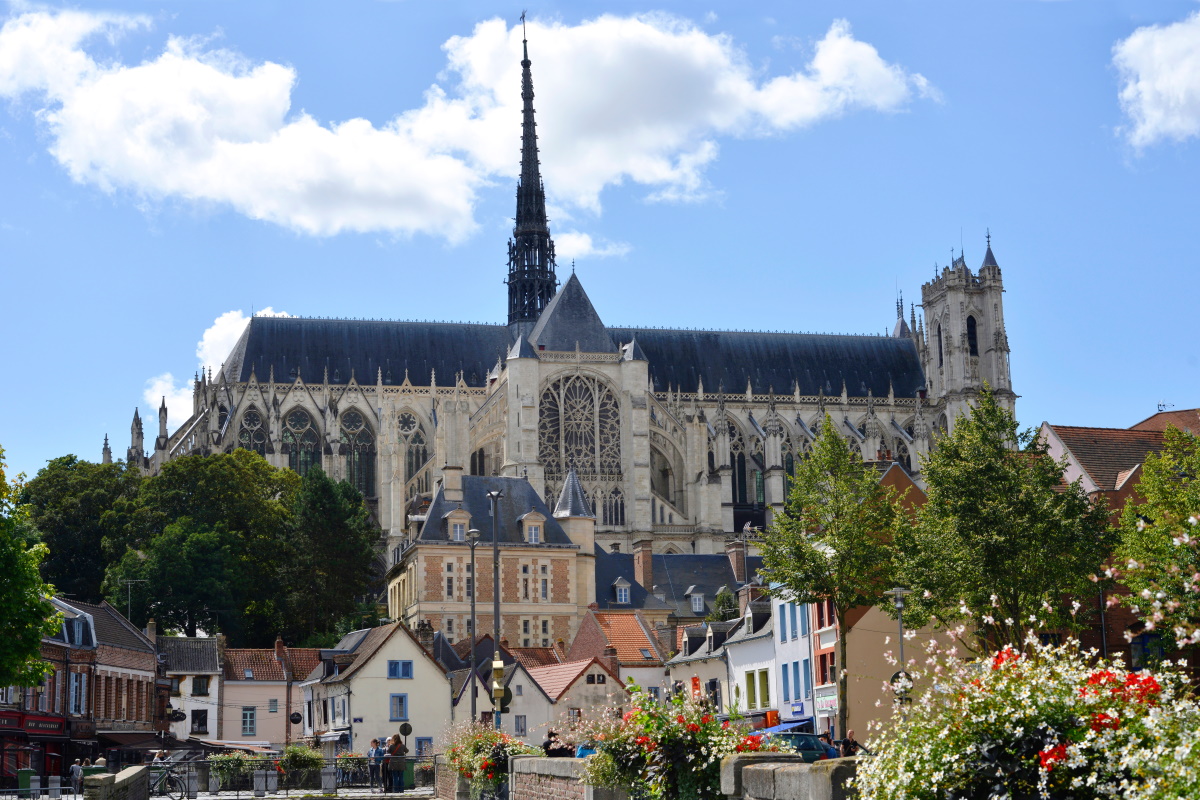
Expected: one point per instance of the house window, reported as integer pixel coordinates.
(424, 746)
(601, 679)
(591, 679)
(470, 587)
(449, 626)
(622, 594)
(200, 685)
(525, 587)
(199, 722)
(792, 611)
(249, 674)
(398, 707)
(519, 724)
(653, 691)
(764, 688)
(783, 622)
(751, 692)
(787, 694)
(524, 626)
(820, 616)
(449, 567)
(545, 588)
(803, 612)
(248, 721)
(544, 570)
(545, 626)
(573, 716)
(273, 706)
(400, 670)
(175, 680)
(519, 689)
(449, 588)
(697, 603)
(533, 534)
(459, 530)
(807, 677)
(646, 654)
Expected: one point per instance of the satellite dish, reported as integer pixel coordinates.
(405, 729)
(295, 718)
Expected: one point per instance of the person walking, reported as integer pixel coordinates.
(852, 747)
(374, 762)
(77, 777)
(385, 766)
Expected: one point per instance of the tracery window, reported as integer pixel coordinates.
(939, 338)
(613, 508)
(300, 441)
(253, 433)
(737, 461)
(972, 337)
(580, 427)
(222, 417)
(416, 445)
(359, 441)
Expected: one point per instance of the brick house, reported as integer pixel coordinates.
(625, 641)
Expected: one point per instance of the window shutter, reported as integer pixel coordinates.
(72, 688)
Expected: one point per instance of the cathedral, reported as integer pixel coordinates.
(674, 439)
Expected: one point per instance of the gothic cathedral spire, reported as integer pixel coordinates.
(531, 280)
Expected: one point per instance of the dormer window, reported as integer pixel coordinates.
(623, 594)
(533, 534)
(531, 526)
(249, 674)
(458, 531)
(697, 603)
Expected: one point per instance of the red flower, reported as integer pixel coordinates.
(707, 718)
(1102, 721)
(725, 724)
(1005, 656)
(1142, 688)
(1052, 756)
(680, 719)
(694, 728)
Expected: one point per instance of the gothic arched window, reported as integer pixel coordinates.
(416, 445)
(222, 417)
(939, 338)
(903, 457)
(253, 433)
(972, 338)
(737, 461)
(580, 427)
(300, 441)
(359, 443)
(614, 508)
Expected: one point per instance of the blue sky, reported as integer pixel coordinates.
(170, 167)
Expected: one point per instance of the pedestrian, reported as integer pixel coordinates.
(87, 762)
(385, 766)
(851, 747)
(555, 747)
(830, 750)
(373, 760)
(76, 777)
(398, 751)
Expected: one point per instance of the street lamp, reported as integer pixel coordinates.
(898, 594)
(495, 496)
(472, 540)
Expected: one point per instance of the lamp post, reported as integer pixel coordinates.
(898, 594)
(472, 540)
(495, 496)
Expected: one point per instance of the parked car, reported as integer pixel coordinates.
(806, 744)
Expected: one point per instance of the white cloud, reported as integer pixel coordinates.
(1159, 67)
(215, 345)
(574, 244)
(640, 99)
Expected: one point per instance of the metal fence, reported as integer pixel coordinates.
(182, 780)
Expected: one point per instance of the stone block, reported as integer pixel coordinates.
(260, 782)
(732, 766)
(328, 779)
(192, 783)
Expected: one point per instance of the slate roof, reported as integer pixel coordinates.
(306, 348)
(697, 636)
(989, 260)
(112, 628)
(556, 679)
(1186, 419)
(674, 574)
(444, 653)
(519, 498)
(190, 655)
(1106, 452)
(572, 502)
(760, 624)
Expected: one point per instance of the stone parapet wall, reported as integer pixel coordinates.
(132, 783)
(533, 778)
(777, 776)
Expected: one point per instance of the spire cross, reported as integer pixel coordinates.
(989, 237)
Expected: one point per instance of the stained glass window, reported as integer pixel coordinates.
(253, 434)
(300, 441)
(359, 441)
(580, 427)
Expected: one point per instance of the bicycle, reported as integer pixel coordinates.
(167, 782)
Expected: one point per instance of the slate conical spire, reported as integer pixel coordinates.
(989, 260)
(531, 279)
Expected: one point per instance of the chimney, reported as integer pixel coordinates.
(425, 633)
(452, 484)
(560, 647)
(736, 550)
(221, 649)
(610, 660)
(151, 630)
(280, 650)
(643, 562)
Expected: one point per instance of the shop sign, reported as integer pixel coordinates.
(828, 703)
(798, 708)
(83, 729)
(43, 725)
(8, 722)
(128, 726)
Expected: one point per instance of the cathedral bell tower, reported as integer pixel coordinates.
(531, 280)
(967, 345)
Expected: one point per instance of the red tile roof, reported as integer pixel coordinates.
(531, 657)
(264, 666)
(1104, 453)
(628, 634)
(557, 678)
(1187, 419)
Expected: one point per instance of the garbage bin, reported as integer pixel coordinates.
(23, 776)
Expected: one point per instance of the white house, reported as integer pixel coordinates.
(370, 684)
(194, 667)
(750, 657)
(793, 660)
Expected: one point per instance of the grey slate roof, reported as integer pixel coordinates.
(112, 628)
(674, 575)
(989, 260)
(519, 498)
(570, 319)
(444, 654)
(313, 348)
(572, 502)
(191, 656)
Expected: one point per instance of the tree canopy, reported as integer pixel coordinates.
(26, 614)
(1001, 541)
(1158, 557)
(834, 541)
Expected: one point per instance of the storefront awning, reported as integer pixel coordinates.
(133, 741)
(787, 726)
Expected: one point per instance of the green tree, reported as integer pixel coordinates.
(330, 559)
(237, 509)
(67, 500)
(1158, 557)
(725, 607)
(834, 540)
(1001, 541)
(26, 614)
